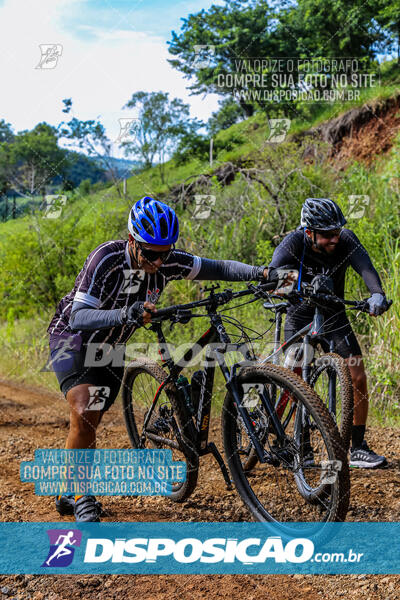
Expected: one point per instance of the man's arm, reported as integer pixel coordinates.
(183, 265)
(362, 264)
(228, 270)
(286, 256)
(85, 318)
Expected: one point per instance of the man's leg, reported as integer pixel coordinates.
(82, 434)
(361, 455)
(83, 423)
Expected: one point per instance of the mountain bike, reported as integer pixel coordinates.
(327, 373)
(163, 410)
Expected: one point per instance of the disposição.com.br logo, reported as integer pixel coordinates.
(62, 547)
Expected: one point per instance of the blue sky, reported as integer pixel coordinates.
(110, 49)
(154, 17)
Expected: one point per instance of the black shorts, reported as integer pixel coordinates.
(69, 367)
(336, 329)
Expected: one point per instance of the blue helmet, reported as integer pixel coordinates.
(153, 222)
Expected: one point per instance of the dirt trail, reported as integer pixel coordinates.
(31, 418)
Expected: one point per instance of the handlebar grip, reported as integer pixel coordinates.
(270, 285)
(162, 313)
(176, 314)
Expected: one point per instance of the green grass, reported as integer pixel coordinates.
(40, 257)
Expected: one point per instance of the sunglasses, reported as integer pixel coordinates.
(329, 234)
(153, 255)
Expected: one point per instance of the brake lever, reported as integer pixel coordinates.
(257, 290)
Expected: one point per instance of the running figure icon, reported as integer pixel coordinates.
(62, 549)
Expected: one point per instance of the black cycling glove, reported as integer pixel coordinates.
(377, 304)
(133, 315)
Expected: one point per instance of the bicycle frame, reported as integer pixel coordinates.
(218, 343)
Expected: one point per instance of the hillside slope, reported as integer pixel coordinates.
(257, 189)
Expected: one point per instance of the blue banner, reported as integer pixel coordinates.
(190, 548)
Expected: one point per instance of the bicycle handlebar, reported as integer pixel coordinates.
(318, 297)
(182, 312)
(361, 305)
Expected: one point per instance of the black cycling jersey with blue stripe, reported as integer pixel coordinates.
(296, 252)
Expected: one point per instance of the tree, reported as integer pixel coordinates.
(35, 159)
(213, 42)
(191, 146)
(228, 114)
(90, 136)
(160, 125)
(6, 132)
(389, 17)
(331, 28)
(6, 137)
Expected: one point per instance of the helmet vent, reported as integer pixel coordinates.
(163, 227)
(148, 227)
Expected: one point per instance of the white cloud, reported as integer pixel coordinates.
(99, 73)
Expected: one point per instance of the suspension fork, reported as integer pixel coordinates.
(232, 387)
(231, 384)
(317, 330)
(282, 401)
(167, 361)
(284, 398)
(277, 337)
(202, 418)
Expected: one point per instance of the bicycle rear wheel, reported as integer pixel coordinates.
(331, 379)
(285, 489)
(170, 426)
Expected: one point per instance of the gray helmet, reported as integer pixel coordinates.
(321, 213)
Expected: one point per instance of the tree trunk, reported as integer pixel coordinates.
(32, 180)
(248, 109)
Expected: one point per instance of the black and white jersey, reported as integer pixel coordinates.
(107, 281)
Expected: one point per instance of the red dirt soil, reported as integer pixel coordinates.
(31, 418)
(369, 140)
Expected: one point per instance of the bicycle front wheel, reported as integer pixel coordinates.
(287, 487)
(169, 426)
